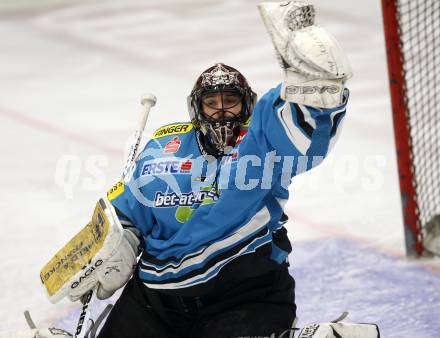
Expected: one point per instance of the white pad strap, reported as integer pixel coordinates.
(320, 93)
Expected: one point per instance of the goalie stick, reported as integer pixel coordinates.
(87, 300)
(148, 101)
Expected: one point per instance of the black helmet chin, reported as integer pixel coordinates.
(222, 135)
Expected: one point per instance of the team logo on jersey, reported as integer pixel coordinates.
(172, 146)
(168, 200)
(167, 167)
(172, 129)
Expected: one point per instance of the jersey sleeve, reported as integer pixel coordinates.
(303, 133)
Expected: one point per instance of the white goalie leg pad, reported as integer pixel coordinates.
(340, 330)
(93, 256)
(431, 240)
(37, 333)
(314, 62)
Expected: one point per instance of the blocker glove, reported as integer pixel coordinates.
(102, 254)
(117, 270)
(114, 271)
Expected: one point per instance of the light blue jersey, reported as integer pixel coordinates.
(204, 219)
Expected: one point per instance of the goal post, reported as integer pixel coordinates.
(412, 36)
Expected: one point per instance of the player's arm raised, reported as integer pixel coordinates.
(302, 116)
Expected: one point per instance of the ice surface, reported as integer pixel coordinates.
(71, 76)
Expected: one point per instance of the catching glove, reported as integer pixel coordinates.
(315, 66)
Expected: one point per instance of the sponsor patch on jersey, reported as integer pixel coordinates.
(116, 190)
(172, 146)
(241, 136)
(232, 157)
(167, 167)
(172, 129)
(186, 166)
(248, 122)
(168, 200)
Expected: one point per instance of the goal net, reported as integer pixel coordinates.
(412, 34)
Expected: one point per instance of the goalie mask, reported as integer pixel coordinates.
(219, 104)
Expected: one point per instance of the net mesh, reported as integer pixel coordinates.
(419, 22)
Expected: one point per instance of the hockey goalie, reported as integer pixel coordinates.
(203, 203)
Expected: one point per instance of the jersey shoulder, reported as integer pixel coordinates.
(174, 139)
(171, 135)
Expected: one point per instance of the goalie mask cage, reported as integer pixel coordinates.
(412, 35)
